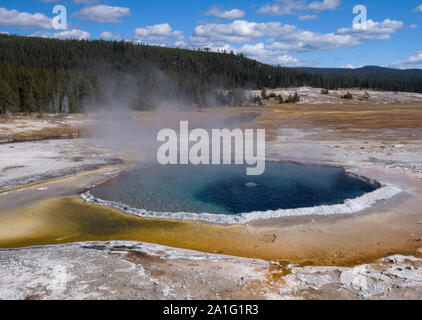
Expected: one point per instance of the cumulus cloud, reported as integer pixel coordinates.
(110, 36)
(289, 38)
(159, 33)
(308, 17)
(286, 7)
(283, 7)
(225, 14)
(64, 35)
(261, 52)
(274, 42)
(289, 61)
(411, 62)
(14, 18)
(351, 66)
(269, 54)
(72, 34)
(324, 5)
(372, 30)
(103, 14)
(241, 31)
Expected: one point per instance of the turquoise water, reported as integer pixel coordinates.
(228, 190)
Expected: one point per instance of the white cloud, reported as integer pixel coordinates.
(225, 14)
(159, 33)
(289, 38)
(103, 14)
(285, 7)
(261, 52)
(255, 50)
(273, 42)
(351, 66)
(14, 18)
(4, 32)
(372, 30)
(289, 61)
(411, 62)
(324, 5)
(264, 53)
(72, 34)
(413, 26)
(110, 36)
(64, 35)
(241, 31)
(418, 8)
(308, 17)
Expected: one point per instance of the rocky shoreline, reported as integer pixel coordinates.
(132, 270)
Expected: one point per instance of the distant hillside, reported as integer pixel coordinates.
(370, 77)
(50, 75)
(365, 71)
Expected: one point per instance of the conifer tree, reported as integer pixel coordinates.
(8, 99)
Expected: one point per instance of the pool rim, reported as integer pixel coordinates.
(349, 206)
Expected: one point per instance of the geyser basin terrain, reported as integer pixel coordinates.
(225, 194)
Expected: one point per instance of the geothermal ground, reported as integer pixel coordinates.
(375, 253)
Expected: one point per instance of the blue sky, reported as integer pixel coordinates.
(319, 33)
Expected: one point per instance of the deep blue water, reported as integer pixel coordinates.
(228, 190)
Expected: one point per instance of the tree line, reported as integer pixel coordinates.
(51, 75)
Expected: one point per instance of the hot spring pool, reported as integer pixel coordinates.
(227, 190)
